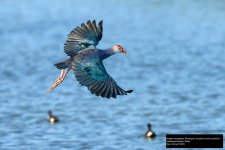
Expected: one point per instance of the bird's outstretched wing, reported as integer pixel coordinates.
(92, 73)
(86, 36)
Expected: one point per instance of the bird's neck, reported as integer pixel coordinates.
(50, 114)
(149, 128)
(106, 53)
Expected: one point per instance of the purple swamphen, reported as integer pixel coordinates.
(86, 61)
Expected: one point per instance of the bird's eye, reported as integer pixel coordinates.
(120, 48)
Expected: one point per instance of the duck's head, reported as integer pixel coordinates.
(149, 127)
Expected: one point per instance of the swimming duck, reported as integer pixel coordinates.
(150, 134)
(51, 118)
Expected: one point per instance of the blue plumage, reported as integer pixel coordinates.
(86, 61)
(90, 71)
(86, 36)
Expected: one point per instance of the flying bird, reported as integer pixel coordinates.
(86, 61)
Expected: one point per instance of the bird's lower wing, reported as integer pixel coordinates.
(93, 75)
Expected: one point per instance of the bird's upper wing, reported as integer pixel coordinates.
(90, 72)
(85, 36)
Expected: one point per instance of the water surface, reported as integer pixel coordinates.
(175, 64)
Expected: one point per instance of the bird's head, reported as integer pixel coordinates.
(149, 126)
(119, 49)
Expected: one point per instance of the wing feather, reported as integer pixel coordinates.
(98, 90)
(102, 92)
(107, 90)
(86, 36)
(115, 91)
(111, 90)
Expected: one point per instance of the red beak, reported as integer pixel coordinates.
(124, 51)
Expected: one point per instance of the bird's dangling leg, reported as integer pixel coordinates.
(56, 82)
(59, 80)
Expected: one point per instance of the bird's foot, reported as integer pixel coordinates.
(55, 83)
(59, 80)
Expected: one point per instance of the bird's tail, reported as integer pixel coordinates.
(64, 64)
(61, 65)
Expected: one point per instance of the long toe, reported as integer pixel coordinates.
(55, 84)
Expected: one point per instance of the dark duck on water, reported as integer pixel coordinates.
(150, 134)
(86, 61)
(51, 118)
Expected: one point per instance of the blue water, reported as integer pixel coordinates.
(175, 64)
